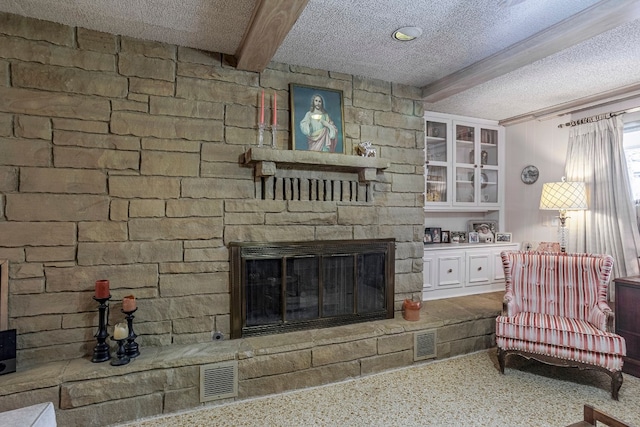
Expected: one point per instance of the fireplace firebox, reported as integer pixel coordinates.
(282, 287)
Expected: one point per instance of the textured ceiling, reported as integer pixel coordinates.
(354, 36)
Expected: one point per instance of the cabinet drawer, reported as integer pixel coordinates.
(478, 269)
(450, 271)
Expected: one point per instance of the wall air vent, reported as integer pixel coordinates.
(218, 381)
(424, 345)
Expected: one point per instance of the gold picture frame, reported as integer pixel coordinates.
(317, 119)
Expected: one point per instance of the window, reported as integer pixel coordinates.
(631, 141)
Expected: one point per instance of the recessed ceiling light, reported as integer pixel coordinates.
(406, 34)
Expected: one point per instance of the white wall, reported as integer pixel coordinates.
(544, 145)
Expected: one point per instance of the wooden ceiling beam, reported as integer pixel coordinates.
(270, 23)
(598, 100)
(602, 16)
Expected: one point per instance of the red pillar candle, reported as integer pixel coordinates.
(275, 109)
(129, 303)
(102, 289)
(262, 109)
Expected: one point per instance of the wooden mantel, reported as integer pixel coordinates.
(267, 160)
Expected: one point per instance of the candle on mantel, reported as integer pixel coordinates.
(102, 289)
(120, 331)
(262, 108)
(275, 108)
(129, 303)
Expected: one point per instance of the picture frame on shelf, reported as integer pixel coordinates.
(433, 235)
(474, 237)
(445, 236)
(486, 229)
(317, 119)
(458, 236)
(503, 237)
(427, 239)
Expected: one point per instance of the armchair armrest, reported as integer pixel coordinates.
(602, 317)
(508, 305)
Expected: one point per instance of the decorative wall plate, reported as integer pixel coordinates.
(484, 179)
(529, 174)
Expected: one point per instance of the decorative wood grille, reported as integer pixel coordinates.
(313, 186)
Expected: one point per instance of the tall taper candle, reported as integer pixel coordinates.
(275, 108)
(262, 108)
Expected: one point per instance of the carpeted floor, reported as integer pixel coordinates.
(464, 391)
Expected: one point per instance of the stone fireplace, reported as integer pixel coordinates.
(281, 287)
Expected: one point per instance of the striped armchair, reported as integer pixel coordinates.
(555, 310)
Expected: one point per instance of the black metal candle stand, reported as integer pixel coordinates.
(101, 351)
(131, 347)
(121, 354)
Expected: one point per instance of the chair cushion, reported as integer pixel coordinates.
(559, 331)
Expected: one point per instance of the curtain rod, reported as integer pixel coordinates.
(591, 119)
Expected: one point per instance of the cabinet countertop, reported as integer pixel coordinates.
(440, 246)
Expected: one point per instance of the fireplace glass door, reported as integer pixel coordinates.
(296, 288)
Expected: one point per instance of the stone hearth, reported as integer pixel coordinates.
(166, 379)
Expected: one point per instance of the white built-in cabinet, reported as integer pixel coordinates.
(464, 160)
(464, 163)
(451, 270)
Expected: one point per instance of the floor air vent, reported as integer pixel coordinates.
(424, 345)
(218, 381)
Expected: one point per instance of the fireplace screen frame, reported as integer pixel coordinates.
(241, 252)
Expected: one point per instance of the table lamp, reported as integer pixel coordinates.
(563, 196)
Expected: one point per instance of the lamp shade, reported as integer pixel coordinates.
(563, 195)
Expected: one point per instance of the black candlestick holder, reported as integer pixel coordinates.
(131, 347)
(101, 351)
(122, 358)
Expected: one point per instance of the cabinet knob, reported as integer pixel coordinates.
(450, 270)
(479, 268)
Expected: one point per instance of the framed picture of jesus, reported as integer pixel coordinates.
(317, 119)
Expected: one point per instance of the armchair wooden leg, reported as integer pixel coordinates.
(616, 383)
(501, 359)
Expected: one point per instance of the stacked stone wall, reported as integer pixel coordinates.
(120, 159)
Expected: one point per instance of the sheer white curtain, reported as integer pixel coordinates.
(595, 155)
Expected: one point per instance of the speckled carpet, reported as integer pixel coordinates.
(462, 391)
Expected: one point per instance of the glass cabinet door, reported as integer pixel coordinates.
(465, 160)
(488, 186)
(489, 147)
(462, 166)
(465, 184)
(437, 162)
(488, 163)
(476, 163)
